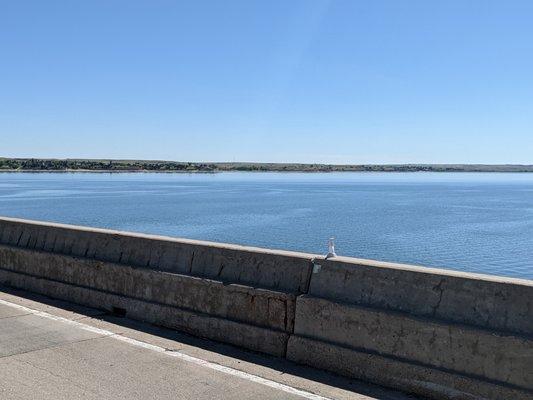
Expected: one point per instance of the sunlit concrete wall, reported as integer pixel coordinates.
(437, 333)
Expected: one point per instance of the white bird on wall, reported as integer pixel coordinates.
(331, 248)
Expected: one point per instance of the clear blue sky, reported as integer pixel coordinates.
(283, 81)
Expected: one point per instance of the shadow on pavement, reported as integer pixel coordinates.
(281, 365)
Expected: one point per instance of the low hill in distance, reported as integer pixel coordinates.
(73, 165)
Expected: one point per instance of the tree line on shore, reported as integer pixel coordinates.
(36, 164)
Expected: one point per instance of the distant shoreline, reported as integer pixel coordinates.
(147, 171)
(142, 166)
(107, 171)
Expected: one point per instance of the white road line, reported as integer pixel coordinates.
(177, 354)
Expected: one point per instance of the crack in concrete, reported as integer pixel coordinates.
(56, 346)
(220, 269)
(61, 377)
(191, 262)
(20, 237)
(441, 291)
(15, 316)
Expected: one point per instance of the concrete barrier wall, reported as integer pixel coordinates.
(436, 333)
(443, 334)
(463, 349)
(279, 270)
(492, 302)
(208, 286)
(259, 307)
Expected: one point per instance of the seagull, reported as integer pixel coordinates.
(331, 248)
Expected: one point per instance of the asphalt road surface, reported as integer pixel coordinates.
(53, 350)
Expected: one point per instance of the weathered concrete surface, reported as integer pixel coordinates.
(46, 359)
(260, 307)
(279, 270)
(459, 348)
(430, 383)
(486, 301)
(243, 335)
(437, 333)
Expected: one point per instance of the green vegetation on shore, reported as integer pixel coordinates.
(36, 164)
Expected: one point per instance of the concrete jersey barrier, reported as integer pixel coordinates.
(503, 304)
(238, 295)
(278, 270)
(418, 328)
(435, 333)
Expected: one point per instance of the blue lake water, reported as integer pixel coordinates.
(471, 222)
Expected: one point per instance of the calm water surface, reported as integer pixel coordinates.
(471, 222)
